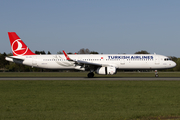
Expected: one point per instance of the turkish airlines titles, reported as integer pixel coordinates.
(130, 57)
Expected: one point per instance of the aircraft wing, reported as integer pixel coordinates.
(81, 62)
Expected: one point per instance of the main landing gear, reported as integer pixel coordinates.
(90, 75)
(156, 73)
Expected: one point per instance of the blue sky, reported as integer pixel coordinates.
(108, 27)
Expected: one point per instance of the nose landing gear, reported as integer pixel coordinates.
(156, 74)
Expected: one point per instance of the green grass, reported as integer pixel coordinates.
(89, 100)
(84, 74)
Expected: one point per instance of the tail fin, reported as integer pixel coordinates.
(18, 46)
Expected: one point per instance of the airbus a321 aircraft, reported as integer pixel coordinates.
(105, 64)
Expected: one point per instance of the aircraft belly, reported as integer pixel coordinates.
(136, 65)
(55, 65)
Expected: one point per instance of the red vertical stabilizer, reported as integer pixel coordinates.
(18, 46)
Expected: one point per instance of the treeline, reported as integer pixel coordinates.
(6, 66)
(13, 67)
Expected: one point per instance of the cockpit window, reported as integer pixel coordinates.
(167, 59)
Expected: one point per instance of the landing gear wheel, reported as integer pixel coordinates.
(156, 75)
(90, 75)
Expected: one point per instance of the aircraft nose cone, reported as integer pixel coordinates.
(174, 64)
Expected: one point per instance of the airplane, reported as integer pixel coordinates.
(104, 64)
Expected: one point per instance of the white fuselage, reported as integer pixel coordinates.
(105, 64)
(119, 61)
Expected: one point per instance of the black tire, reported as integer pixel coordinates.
(90, 75)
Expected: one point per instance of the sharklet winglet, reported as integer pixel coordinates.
(67, 57)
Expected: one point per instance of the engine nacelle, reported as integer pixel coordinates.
(106, 70)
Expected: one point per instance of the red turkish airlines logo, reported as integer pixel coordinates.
(18, 47)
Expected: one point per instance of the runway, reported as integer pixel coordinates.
(80, 78)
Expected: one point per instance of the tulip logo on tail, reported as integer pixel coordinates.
(18, 47)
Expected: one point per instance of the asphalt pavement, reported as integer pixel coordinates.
(80, 78)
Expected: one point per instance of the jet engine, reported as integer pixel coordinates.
(106, 70)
